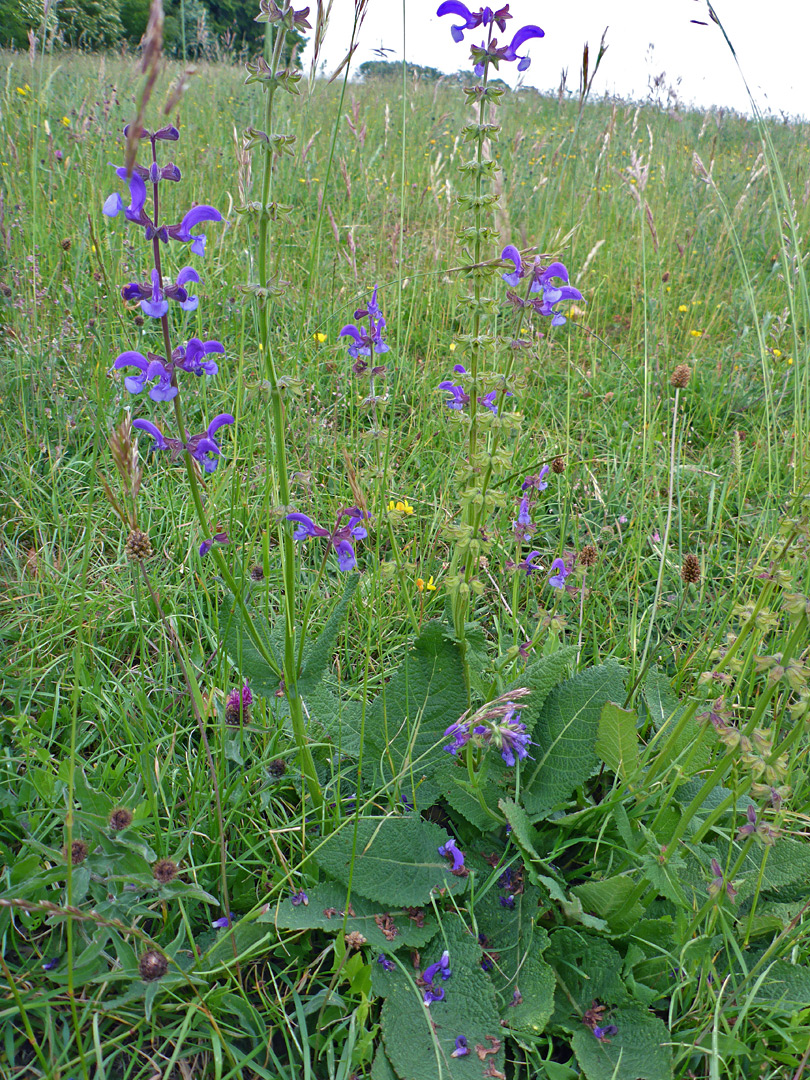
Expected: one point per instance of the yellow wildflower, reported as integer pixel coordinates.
(683, 307)
(320, 338)
(423, 585)
(65, 121)
(452, 346)
(399, 507)
(776, 353)
(696, 333)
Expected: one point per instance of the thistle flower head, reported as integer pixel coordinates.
(152, 965)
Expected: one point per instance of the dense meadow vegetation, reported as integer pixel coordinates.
(232, 841)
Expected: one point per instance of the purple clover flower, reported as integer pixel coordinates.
(450, 851)
(203, 447)
(557, 580)
(340, 537)
(364, 340)
(541, 282)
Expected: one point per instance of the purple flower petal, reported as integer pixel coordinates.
(558, 580)
(150, 429)
(113, 205)
(345, 556)
(524, 34)
(218, 421)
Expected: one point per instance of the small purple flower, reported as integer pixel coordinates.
(432, 994)
(341, 536)
(203, 447)
(541, 282)
(523, 525)
(459, 396)
(49, 965)
(488, 400)
(223, 922)
(450, 851)
(461, 1049)
(750, 826)
(299, 898)
(557, 580)
(536, 482)
(194, 217)
(364, 341)
(192, 358)
(441, 966)
(512, 738)
(347, 560)
(306, 527)
(507, 901)
(718, 882)
(604, 1032)
(217, 538)
(528, 563)
(471, 21)
(114, 204)
(385, 963)
(157, 305)
(524, 34)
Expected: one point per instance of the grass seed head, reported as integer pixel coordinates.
(588, 556)
(139, 547)
(690, 570)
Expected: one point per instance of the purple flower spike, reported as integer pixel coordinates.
(450, 851)
(461, 1049)
(150, 429)
(194, 217)
(133, 383)
(557, 580)
(364, 340)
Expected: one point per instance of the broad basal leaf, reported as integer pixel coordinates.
(617, 740)
(420, 1040)
(565, 736)
(639, 1049)
(393, 860)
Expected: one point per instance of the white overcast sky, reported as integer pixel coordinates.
(645, 38)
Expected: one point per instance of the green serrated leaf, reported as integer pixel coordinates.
(395, 860)
(565, 736)
(587, 967)
(325, 911)
(419, 1040)
(244, 655)
(609, 899)
(405, 724)
(617, 740)
(665, 711)
(541, 677)
(786, 985)
(640, 1049)
(318, 656)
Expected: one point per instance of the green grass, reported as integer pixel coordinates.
(96, 710)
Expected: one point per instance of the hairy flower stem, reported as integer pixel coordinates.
(286, 545)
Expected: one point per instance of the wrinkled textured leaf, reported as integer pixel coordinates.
(405, 724)
(665, 711)
(396, 860)
(639, 1049)
(608, 899)
(787, 985)
(327, 896)
(588, 967)
(419, 1040)
(617, 741)
(318, 655)
(565, 736)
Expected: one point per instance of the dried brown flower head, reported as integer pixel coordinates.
(66, 244)
(558, 465)
(152, 965)
(588, 556)
(355, 940)
(277, 768)
(121, 818)
(681, 376)
(690, 570)
(78, 852)
(256, 573)
(138, 546)
(164, 871)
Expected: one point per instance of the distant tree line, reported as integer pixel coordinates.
(392, 69)
(105, 24)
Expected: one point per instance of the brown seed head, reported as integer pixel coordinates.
(78, 852)
(66, 244)
(558, 465)
(256, 573)
(139, 320)
(164, 871)
(354, 940)
(588, 556)
(681, 376)
(152, 965)
(277, 768)
(138, 546)
(120, 819)
(690, 571)
(5, 289)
